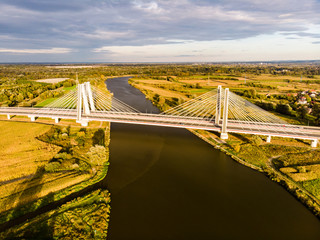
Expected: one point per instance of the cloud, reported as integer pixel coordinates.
(91, 25)
(36, 51)
(148, 7)
(105, 35)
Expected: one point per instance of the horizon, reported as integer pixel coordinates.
(159, 31)
(178, 63)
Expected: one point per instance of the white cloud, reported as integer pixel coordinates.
(36, 51)
(106, 35)
(261, 48)
(149, 7)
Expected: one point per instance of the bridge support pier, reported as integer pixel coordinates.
(84, 123)
(56, 120)
(314, 143)
(224, 136)
(32, 118)
(8, 116)
(268, 139)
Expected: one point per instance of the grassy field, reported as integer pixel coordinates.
(83, 218)
(270, 84)
(45, 102)
(22, 159)
(32, 169)
(50, 100)
(21, 154)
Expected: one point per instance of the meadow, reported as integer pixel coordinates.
(41, 163)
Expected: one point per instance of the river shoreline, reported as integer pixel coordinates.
(295, 189)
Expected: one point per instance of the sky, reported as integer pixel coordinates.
(159, 30)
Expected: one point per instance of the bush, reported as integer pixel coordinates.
(283, 109)
(52, 166)
(97, 155)
(256, 140)
(63, 156)
(99, 138)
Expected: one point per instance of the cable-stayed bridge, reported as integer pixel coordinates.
(218, 110)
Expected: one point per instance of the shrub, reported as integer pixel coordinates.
(97, 155)
(256, 140)
(52, 166)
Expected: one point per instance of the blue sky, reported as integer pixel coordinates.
(159, 30)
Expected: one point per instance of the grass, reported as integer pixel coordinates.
(50, 100)
(83, 218)
(21, 154)
(24, 162)
(45, 102)
(313, 187)
(70, 88)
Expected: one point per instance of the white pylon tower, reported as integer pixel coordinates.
(85, 103)
(218, 107)
(224, 134)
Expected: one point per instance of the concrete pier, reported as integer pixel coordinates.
(32, 118)
(268, 139)
(314, 143)
(56, 120)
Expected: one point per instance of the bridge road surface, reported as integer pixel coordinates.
(236, 126)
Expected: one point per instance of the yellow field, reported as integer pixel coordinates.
(22, 158)
(270, 77)
(212, 83)
(162, 92)
(20, 152)
(153, 81)
(303, 173)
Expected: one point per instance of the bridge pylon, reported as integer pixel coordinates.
(85, 103)
(224, 134)
(218, 107)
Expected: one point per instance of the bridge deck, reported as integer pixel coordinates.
(236, 126)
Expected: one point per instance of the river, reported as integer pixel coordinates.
(166, 183)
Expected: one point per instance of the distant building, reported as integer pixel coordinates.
(302, 101)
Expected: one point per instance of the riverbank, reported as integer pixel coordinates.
(270, 170)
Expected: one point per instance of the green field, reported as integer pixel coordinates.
(45, 102)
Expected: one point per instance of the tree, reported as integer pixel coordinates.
(97, 155)
(316, 112)
(283, 108)
(99, 138)
(302, 111)
(251, 93)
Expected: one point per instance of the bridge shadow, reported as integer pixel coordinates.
(241, 137)
(26, 192)
(305, 142)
